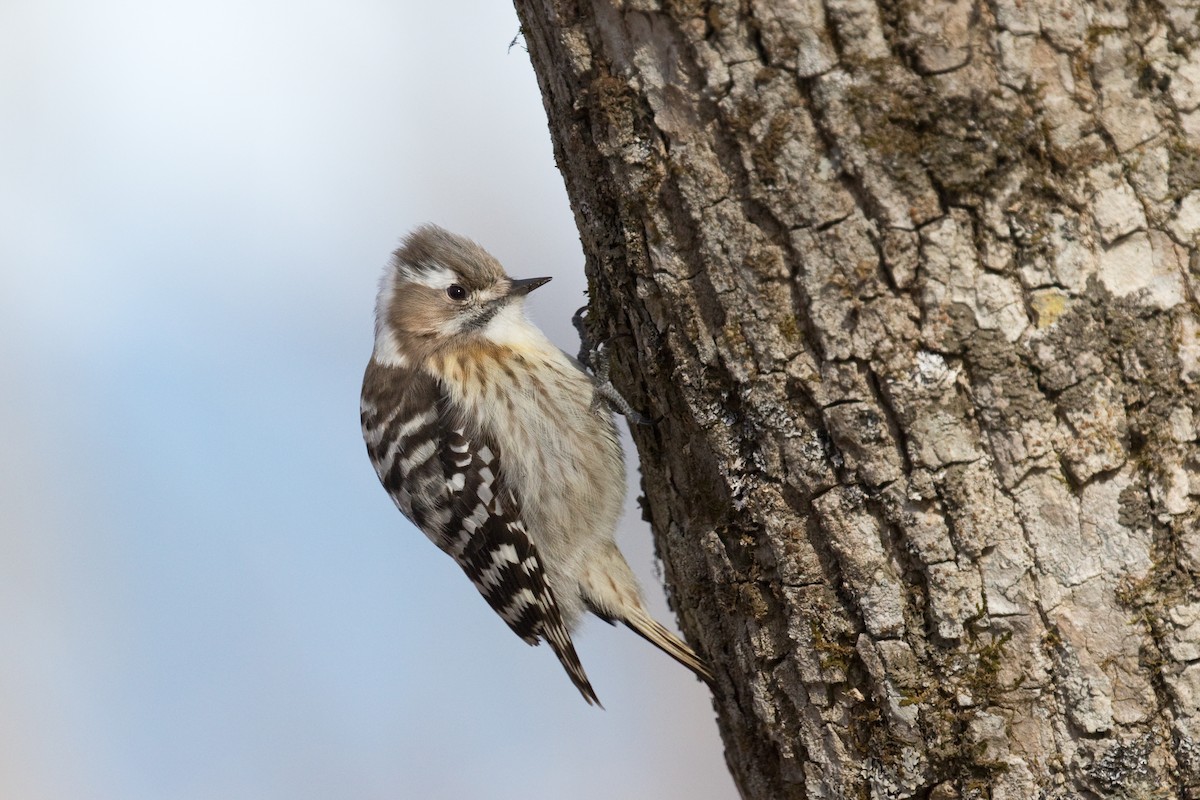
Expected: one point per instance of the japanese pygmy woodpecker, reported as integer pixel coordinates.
(496, 445)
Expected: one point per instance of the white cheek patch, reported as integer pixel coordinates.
(383, 300)
(450, 327)
(387, 349)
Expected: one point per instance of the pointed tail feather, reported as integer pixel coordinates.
(560, 642)
(649, 629)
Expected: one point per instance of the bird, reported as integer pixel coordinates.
(501, 448)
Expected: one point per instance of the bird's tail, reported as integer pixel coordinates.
(649, 629)
(560, 642)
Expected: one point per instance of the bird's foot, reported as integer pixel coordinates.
(595, 358)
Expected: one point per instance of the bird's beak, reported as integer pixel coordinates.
(523, 287)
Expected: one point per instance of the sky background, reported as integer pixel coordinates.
(204, 591)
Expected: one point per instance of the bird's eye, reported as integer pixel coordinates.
(456, 292)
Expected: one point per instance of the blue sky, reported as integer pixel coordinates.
(204, 592)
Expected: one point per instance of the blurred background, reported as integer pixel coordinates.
(204, 592)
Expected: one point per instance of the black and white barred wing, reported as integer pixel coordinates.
(449, 483)
(487, 538)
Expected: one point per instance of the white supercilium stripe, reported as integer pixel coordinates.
(435, 277)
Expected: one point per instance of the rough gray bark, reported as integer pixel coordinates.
(912, 287)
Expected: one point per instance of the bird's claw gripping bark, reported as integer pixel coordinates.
(594, 357)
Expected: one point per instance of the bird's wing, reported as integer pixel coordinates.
(448, 480)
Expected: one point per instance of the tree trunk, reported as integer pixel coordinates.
(910, 289)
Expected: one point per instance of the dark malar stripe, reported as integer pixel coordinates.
(484, 316)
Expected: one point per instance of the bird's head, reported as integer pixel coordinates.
(444, 290)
